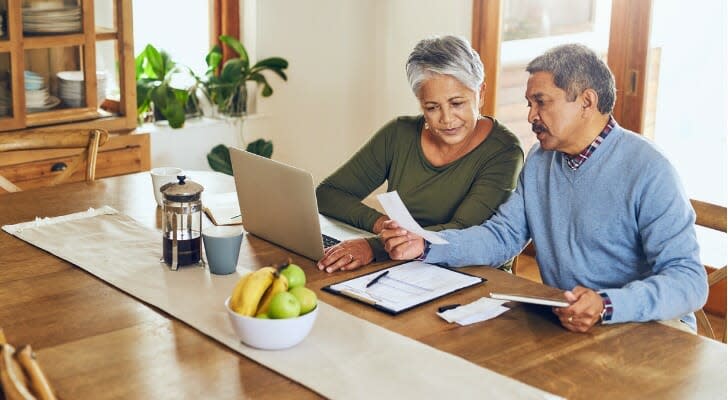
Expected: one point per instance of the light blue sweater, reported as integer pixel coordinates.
(621, 224)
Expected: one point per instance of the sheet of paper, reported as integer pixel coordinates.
(397, 211)
(222, 208)
(405, 285)
(482, 309)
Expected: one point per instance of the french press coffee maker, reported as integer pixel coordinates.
(181, 223)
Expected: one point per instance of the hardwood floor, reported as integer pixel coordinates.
(528, 268)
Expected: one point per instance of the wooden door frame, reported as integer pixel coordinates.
(225, 21)
(626, 57)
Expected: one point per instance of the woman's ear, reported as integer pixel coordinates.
(481, 96)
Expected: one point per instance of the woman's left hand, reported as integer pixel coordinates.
(347, 255)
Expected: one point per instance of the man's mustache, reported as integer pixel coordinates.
(538, 128)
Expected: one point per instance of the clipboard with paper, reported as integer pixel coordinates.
(404, 286)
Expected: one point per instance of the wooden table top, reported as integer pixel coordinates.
(96, 342)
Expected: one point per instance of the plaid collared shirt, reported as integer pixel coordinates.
(576, 161)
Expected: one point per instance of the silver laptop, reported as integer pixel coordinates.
(278, 204)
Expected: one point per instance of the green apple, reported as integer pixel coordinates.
(262, 316)
(284, 305)
(306, 297)
(295, 275)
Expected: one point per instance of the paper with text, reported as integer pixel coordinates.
(405, 285)
(397, 211)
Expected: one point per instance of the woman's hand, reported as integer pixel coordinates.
(584, 310)
(347, 255)
(401, 244)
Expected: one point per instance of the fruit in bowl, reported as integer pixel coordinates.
(265, 314)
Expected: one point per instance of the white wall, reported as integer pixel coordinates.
(346, 77)
(346, 73)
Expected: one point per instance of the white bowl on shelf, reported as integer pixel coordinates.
(271, 334)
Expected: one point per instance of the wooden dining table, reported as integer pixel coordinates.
(96, 342)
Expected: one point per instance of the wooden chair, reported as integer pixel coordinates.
(713, 217)
(87, 140)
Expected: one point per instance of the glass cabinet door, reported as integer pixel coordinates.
(72, 58)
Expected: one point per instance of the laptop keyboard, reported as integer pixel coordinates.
(329, 241)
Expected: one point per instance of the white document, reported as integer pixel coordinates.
(404, 286)
(480, 310)
(397, 211)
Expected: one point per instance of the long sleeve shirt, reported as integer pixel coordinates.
(621, 224)
(462, 193)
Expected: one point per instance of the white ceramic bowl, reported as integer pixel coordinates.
(271, 334)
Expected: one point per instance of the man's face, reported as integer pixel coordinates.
(555, 121)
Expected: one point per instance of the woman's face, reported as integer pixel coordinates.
(451, 109)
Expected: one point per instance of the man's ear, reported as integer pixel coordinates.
(589, 99)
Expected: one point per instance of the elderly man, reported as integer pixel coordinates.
(604, 208)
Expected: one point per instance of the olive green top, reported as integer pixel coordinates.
(460, 194)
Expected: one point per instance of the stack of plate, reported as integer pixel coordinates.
(72, 91)
(37, 97)
(63, 19)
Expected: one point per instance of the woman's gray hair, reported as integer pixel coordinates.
(576, 68)
(446, 55)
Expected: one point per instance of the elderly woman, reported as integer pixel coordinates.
(451, 166)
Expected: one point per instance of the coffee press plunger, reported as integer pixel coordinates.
(181, 223)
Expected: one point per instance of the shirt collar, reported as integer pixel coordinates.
(576, 161)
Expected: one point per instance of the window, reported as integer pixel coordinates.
(184, 33)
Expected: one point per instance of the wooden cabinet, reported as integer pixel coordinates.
(67, 63)
(122, 154)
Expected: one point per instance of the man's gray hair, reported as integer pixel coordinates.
(576, 68)
(446, 55)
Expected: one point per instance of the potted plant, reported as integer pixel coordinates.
(225, 87)
(155, 71)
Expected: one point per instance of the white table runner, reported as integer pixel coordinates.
(343, 357)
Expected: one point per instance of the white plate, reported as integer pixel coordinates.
(52, 101)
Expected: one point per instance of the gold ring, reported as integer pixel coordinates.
(570, 319)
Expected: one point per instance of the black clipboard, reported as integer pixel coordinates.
(404, 287)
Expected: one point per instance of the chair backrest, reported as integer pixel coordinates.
(713, 217)
(87, 140)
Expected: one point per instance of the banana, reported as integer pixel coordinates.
(280, 284)
(235, 298)
(253, 290)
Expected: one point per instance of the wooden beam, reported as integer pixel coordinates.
(226, 21)
(486, 38)
(629, 36)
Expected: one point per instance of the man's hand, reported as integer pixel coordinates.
(584, 310)
(399, 243)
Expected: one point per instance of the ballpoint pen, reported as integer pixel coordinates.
(377, 278)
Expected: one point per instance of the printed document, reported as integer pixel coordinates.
(397, 211)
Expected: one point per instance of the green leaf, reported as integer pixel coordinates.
(260, 78)
(219, 159)
(168, 103)
(237, 47)
(272, 62)
(261, 147)
(233, 71)
(213, 60)
(154, 66)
